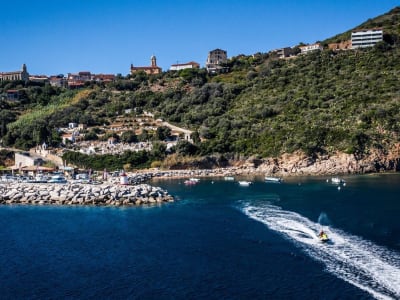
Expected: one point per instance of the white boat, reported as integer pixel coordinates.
(244, 183)
(229, 178)
(57, 179)
(273, 179)
(194, 179)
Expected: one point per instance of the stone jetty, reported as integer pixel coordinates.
(82, 194)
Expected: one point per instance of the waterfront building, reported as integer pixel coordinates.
(309, 48)
(215, 59)
(189, 65)
(24, 159)
(15, 75)
(366, 38)
(152, 69)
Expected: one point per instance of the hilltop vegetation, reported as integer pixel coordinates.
(389, 22)
(318, 103)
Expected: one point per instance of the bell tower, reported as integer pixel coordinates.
(153, 61)
(24, 75)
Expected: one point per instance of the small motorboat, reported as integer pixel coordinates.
(244, 183)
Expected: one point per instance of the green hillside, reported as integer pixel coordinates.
(318, 103)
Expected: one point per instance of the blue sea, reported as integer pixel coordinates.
(217, 241)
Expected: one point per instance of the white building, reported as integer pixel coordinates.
(366, 38)
(189, 65)
(313, 47)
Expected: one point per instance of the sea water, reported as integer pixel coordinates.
(219, 240)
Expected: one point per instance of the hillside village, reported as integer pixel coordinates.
(215, 63)
(135, 131)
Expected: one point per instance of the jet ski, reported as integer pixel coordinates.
(323, 237)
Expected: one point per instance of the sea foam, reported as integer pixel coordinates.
(362, 263)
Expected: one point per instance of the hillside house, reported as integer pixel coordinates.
(309, 48)
(58, 81)
(189, 65)
(283, 52)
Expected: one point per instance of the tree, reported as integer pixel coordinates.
(163, 133)
(129, 137)
(184, 147)
(144, 136)
(91, 136)
(6, 116)
(196, 138)
(158, 151)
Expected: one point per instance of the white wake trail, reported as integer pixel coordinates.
(370, 267)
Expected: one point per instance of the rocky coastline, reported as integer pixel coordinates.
(296, 164)
(82, 194)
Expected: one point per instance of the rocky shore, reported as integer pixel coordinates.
(296, 164)
(82, 194)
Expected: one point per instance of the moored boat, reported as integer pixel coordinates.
(57, 179)
(273, 179)
(244, 183)
(190, 182)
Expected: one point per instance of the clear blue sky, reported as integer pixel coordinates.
(106, 36)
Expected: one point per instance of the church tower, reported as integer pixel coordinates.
(153, 61)
(24, 73)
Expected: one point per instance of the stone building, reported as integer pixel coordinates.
(215, 60)
(15, 75)
(153, 69)
(284, 52)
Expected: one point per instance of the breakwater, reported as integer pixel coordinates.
(82, 194)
